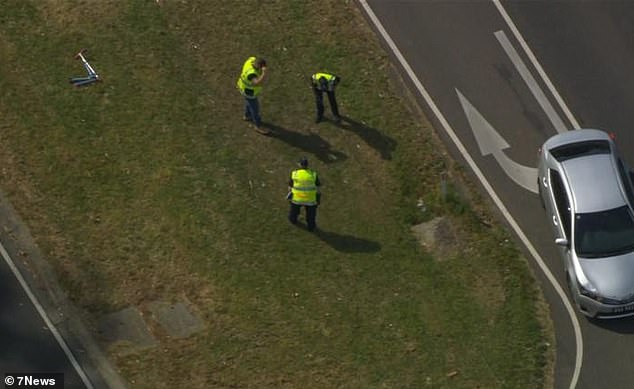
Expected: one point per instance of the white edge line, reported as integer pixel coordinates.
(518, 36)
(447, 127)
(536, 64)
(575, 125)
(47, 320)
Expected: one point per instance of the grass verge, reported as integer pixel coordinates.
(149, 187)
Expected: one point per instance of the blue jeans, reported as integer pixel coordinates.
(252, 110)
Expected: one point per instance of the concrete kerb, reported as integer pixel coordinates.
(38, 274)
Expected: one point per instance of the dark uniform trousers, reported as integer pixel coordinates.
(311, 215)
(319, 101)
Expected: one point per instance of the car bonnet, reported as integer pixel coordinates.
(613, 277)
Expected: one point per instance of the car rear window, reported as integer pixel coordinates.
(574, 150)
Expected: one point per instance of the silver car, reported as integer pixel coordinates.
(586, 190)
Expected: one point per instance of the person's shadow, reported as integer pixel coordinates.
(347, 243)
(373, 137)
(311, 143)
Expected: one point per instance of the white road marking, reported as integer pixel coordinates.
(491, 142)
(49, 324)
(530, 82)
(489, 189)
(575, 125)
(536, 64)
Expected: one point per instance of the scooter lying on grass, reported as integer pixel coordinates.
(92, 75)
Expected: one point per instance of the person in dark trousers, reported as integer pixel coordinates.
(325, 82)
(250, 85)
(304, 191)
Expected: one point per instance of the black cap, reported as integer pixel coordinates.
(259, 62)
(303, 162)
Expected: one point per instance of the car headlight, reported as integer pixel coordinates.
(589, 291)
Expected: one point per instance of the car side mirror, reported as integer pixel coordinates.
(561, 242)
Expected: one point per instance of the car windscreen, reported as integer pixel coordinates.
(605, 233)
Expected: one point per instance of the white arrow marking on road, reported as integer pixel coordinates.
(491, 142)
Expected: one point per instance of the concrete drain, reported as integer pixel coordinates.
(128, 329)
(175, 319)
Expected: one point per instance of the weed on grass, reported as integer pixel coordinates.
(149, 186)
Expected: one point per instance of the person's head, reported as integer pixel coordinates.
(326, 85)
(260, 63)
(323, 83)
(303, 162)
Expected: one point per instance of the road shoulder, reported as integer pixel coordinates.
(42, 281)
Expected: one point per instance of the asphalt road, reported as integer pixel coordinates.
(457, 51)
(26, 343)
(40, 330)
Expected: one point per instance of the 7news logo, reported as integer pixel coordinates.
(33, 380)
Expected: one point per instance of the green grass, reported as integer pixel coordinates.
(149, 186)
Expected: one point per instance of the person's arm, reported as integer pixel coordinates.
(318, 184)
(289, 195)
(259, 79)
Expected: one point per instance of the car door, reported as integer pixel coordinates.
(561, 219)
(560, 213)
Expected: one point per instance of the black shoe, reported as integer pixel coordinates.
(337, 119)
(318, 119)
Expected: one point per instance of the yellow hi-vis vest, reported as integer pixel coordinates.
(244, 84)
(330, 79)
(304, 191)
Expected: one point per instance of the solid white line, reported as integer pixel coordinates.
(536, 64)
(47, 320)
(530, 82)
(575, 125)
(449, 130)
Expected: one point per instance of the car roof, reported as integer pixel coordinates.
(594, 183)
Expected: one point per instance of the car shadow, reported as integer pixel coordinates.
(309, 143)
(373, 137)
(347, 243)
(623, 326)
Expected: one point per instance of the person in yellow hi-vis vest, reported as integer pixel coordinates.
(250, 85)
(304, 191)
(325, 83)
